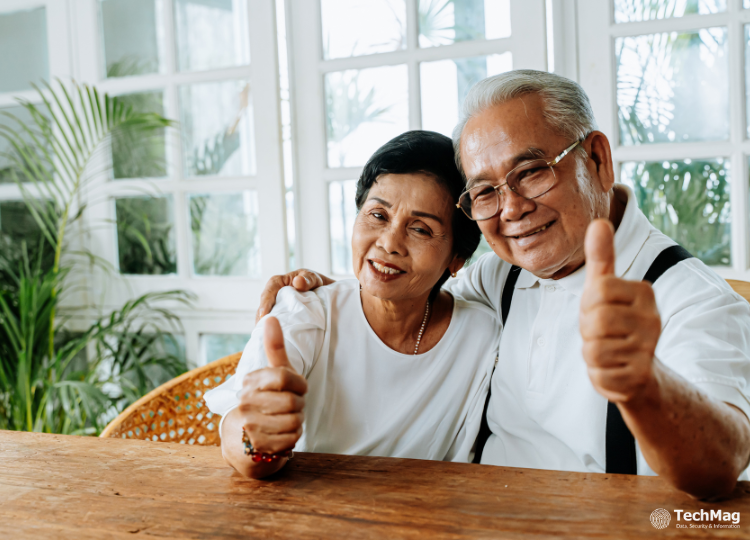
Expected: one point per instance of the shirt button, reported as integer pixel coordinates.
(550, 288)
(540, 342)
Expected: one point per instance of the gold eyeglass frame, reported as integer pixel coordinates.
(550, 164)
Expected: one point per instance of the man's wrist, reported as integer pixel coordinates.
(650, 396)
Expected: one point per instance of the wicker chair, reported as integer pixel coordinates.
(740, 287)
(175, 412)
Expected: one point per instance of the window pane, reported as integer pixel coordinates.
(445, 84)
(20, 239)
(166, 353)
(747, 73)
(217, 129)
(20, 118)
(145, 235)
(646, 10)
(136, 157)
(211, 34)
(343, 212)
(364, 109)
(17, 226)
(357, 27)
(217, 346)
(673, 87)
(442, 22)
(23, 49)
(132, 32)
(225, 234)
(687, 200)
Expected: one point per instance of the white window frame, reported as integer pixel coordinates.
(598, 76)
(528, 18)
(58, 55)
(225, 304)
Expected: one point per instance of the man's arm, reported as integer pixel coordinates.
(701, 445)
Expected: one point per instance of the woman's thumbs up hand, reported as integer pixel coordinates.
(272, 399)
(619, 322)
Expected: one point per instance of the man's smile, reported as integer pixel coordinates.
(531, 232)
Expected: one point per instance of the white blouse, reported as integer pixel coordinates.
(365, 398)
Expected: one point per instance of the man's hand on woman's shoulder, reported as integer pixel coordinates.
(303, 280)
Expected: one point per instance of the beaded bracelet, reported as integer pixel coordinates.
(262, 456)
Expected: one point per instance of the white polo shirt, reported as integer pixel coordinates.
(544, 412)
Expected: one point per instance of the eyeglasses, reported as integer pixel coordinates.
(529, 180)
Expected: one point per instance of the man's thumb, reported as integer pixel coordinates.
(273, 343)
(599, 249)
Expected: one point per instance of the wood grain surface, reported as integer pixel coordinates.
(54, 486)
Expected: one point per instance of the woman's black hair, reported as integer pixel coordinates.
(430, 153)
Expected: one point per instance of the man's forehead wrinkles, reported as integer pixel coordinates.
(492, 163)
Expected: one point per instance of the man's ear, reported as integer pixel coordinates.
(456, 264)
(600, 156)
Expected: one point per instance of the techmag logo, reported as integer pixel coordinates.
(660, 518)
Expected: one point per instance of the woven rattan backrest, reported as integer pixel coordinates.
(740, 287)
(176, 412)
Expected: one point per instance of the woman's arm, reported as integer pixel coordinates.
(270, 410)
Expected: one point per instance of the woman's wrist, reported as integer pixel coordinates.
(233, 450)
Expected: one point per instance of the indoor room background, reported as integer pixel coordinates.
(260, 115)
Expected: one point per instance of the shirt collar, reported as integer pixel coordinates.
(629, 238)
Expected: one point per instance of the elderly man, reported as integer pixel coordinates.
(593, 358)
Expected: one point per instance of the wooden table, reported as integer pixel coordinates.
(54, 486)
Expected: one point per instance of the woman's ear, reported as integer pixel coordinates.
(456, 264)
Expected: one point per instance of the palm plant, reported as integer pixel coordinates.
(42, 387)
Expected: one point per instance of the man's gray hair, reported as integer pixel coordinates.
(566, 106)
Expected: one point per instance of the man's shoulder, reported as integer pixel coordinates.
(475, 312)
(490, 270)
(688, 282)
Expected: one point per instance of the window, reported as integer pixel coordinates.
(669, 90)
(199, 207)
(367, 70)
(31, 51)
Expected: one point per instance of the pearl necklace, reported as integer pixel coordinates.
(424, 324)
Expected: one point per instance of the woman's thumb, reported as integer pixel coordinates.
(273, 343)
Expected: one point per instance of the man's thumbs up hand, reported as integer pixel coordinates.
(271, 399)
(599, 247)
(619, 322)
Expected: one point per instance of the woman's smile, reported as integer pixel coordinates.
(388, 270)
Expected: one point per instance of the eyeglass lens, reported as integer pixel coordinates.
(529, 180)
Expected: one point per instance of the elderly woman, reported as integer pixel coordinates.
(386, 364)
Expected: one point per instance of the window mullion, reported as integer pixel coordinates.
(738, 131)
(412, 45)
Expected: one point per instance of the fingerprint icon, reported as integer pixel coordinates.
(660, 518)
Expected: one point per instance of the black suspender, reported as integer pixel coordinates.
(620, 443)
(484, 428)
(664, 261)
